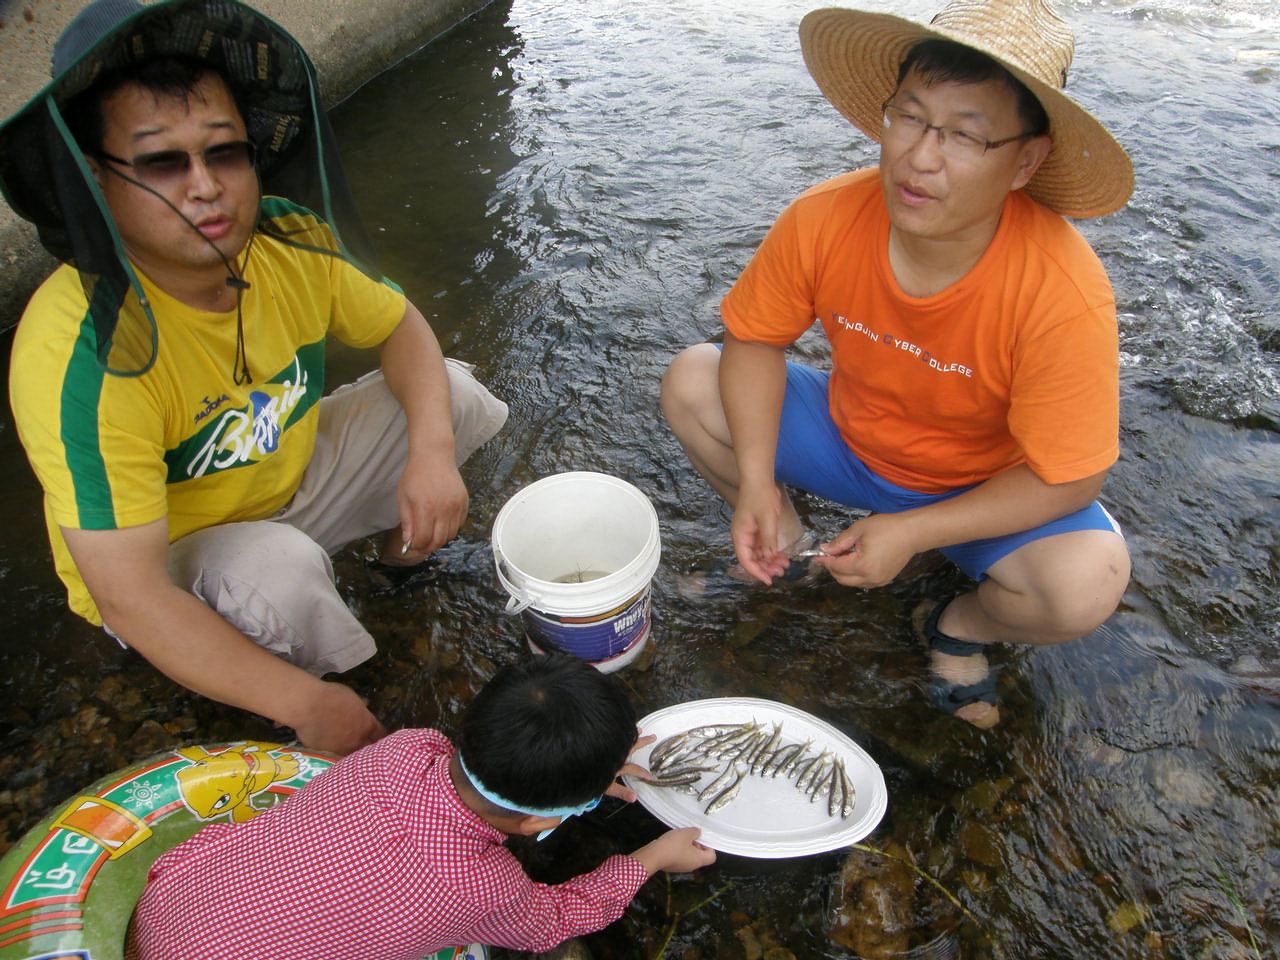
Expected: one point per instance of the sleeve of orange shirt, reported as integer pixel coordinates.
(773, 299)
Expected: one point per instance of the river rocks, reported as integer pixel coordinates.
(1177, 781)
(981, 843)
(572, 949)
(758, 939)
(1126, 916)
(149, 737)
(872, 904)
(1250, 672)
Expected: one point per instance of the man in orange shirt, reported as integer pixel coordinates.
(973, 402)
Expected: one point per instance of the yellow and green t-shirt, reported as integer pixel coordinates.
(182, 440)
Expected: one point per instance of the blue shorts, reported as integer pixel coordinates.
(813, 456)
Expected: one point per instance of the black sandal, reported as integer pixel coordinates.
(950, 697)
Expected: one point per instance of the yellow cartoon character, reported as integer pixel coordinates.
(219, 783)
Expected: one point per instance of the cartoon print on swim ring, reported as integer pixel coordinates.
(226, 781)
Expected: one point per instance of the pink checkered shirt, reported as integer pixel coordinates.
(377, 857)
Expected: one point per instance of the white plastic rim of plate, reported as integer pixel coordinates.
(769, 818)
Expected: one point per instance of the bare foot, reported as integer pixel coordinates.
(964, 672)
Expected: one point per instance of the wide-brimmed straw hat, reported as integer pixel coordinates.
(45, 179)
(855, 55)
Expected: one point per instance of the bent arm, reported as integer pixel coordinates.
(126, 573)
(536, 917)
(753, 383)
(874, 550)
(432, 496)
(1015, 499)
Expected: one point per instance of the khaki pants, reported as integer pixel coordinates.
(272, 579)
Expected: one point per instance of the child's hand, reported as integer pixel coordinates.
(621, 791)
(676, 851)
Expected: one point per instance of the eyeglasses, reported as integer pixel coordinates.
(163, 168)
(908, 128)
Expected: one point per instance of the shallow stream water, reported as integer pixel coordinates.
(567, 188)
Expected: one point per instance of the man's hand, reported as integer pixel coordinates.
(433, 503)
(431, 496)
(127, 575)
(873, 550)
(754, 530)
(752, 380)
(869, 553)
(676, 851)
(337, 721)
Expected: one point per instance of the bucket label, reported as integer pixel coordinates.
(597, 637)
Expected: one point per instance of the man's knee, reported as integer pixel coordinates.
(249, 551)
(1065, 586)
(477, 414)
(690, 383)
(1101, 585)
(274, 584)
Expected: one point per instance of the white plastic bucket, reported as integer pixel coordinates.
(577, 553)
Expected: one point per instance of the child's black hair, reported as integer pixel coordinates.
(939, 61)
(551, 731)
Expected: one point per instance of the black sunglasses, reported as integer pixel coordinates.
(164, 167)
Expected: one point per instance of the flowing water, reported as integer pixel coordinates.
(567, 188)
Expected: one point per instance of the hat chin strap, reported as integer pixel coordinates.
(235, 280)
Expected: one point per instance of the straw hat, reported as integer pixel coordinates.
(854, 56)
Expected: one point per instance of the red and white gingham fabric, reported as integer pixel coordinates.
(377, 857)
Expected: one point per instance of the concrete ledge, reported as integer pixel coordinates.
(349, 41)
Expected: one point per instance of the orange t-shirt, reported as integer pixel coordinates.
(1016, 362)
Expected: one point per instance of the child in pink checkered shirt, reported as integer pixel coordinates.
(397, 850)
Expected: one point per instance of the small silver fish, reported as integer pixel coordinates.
(822, 784)
(812, 771)
(849, 795)
(678, 778)
(680, 761)
(740, 751)
(711, 788)
(680, 769)
(727, 794)
(709, 730)
(663, 749)
(766, 749)
(783, 758)
(690, 742)
(800, 766)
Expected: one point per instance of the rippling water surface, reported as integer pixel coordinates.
(567, 188)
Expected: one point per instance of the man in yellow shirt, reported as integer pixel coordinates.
(167, 381)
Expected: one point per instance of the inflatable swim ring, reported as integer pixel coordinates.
(69, 886)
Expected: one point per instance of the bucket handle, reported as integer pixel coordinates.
(515, 604)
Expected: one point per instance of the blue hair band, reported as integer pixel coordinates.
(501, 801)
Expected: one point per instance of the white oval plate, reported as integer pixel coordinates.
(769, 817)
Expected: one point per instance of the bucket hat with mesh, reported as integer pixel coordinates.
(45, 179)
